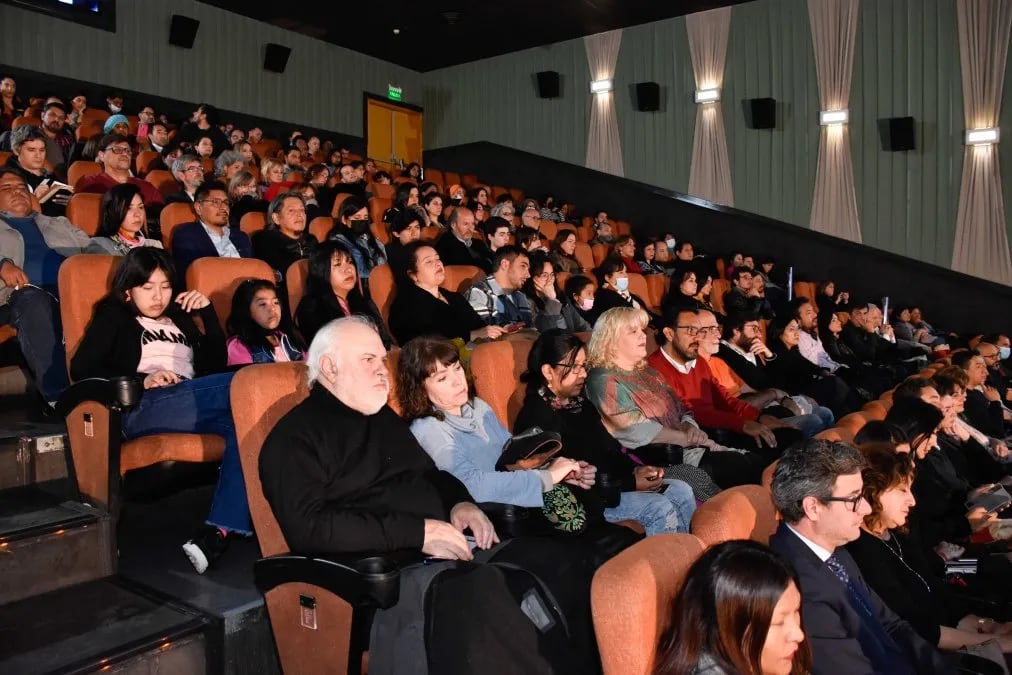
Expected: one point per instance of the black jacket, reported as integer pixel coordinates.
(868, 347)
(339, 481)
(737, 303)
(841, 643)
(453, 251)
(280, 251)
(111, 346)
(314, 312)
(417, 312)
(244, 205)
(983, 414)
(607, 298)
(757, 376)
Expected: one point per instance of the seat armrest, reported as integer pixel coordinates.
(121, 393)
(360, 580)
(512, 521)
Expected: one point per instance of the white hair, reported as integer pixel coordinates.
(327, 340)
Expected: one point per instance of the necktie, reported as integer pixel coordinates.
(858, 598)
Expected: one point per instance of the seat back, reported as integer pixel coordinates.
(451, 178)
(320, 227)
(720, 287)
(338, 200)
(80, 169)
(83, 210)
(805, 289)
(600, 252)
(295, 283)
(657, 285)
(853, 422)
(217, 278)
(631, 598)
(638, 287)
(382, 289)
(459, 277)
(163, 180)
(585, 255)
(384, 191)
(253, 222)
(549, 229)
(836, 434)
(496, 368)
(83, 281)
(875, 410)
(743, 512)
(171, 217)
(143, 161)
(435, 176)
(377, 207)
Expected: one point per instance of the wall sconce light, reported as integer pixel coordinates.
(707, 95)
(832, 117)
(600, 86)
(982, 136)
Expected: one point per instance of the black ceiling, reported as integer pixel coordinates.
(435, 34)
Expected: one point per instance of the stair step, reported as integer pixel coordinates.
(32, 453)
(48, 543)
(109, 625)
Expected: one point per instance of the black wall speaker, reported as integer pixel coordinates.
(897, 134)
(548, 84)
(276, 57)
(761, 113)
(183, 31)
(648, 96)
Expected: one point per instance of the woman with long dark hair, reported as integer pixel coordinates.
(352, 229)
(738, 613)
(333, 292)
(122, 221)
(144, 329)
(547, 304)
(259, 328)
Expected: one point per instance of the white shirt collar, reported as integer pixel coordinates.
(822, 553)
(683, 369)
(748, 356)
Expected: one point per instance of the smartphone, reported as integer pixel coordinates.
(513, 327)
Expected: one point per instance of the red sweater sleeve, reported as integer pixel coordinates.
(710, 405)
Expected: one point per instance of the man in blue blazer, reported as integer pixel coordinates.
(818, 489)
(210, 236)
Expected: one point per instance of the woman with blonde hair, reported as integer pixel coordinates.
(271, 171)
(639, 409)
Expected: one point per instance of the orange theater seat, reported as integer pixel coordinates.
(382, 289)
(320, 227)
(80, 169)
(171, 217)
(253, 222)
(434, 176)
(496, 368)
(631, 599)
(295, 283)
(383, 191)
(377, 207)
(585, 255)
(638, 287)
(217, 279)
(144, 160)
(657, 285)
(162, 180)
(84, 212)
(600, 252)
(743, 512)
(460, 277)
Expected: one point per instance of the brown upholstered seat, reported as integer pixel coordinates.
(743, 512)
(217, 279)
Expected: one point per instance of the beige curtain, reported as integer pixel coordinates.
(981, 247)
(710, 172)
(834, 205)
(604, 147)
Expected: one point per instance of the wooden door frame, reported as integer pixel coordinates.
(366, 97)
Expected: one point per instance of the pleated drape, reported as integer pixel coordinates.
(604, 146)
(710, 171)
(834, 203)
(981, 246)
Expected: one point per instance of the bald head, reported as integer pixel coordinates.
(348, 359)
(462, 222)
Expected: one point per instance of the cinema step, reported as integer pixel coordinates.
(109, 625)
(32, 453)
(49, 542)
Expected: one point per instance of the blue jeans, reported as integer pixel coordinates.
(659, 512)
(199, 406)
(811, 424)
(35, 314)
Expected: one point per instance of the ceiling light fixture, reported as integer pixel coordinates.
(601, 86)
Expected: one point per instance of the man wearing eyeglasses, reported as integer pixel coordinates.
(818, 489)
(210, 236)
(116, 157)
(190, 173)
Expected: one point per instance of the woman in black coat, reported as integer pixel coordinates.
(613, 289)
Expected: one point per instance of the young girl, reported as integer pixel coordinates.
(143, 329)
(260, 328)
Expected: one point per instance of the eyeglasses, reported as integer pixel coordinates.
(119, 149)
(852, 501)
(217, 202)
(692, 331)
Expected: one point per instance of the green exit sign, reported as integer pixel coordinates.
(394, 93)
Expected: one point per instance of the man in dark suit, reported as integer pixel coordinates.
(818, 489)
(210, 236)
(459, 246)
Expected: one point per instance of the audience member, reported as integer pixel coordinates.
(333, 292)
(28, 160)
(144, 329)
(244, 194)
(188, 170)
(204, 123)
(745, 297)
(433, 205)
(548, 310)
(613, 289)
(818, 489)
(285, 240)
(259, 328)
(117, 124)
(646, 258)
(121, 222)
(59, 138)
(564, 253)
(210, 236)
(738, 611)
(791, 371)
(530, 214)
(496, 235)
(579, 295)
(625, 248)
(458, 245)
(602, 230)
(499, 298)
(116, 158)
(406, 229)
(228, 164)
(352, 229)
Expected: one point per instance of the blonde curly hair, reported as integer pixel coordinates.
(607, 329)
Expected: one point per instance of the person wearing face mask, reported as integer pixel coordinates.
(352, 229)
(613, 289)
(456, 196)
(579, 297)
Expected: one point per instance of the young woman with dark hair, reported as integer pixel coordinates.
(564, 253)
(143, 329)
(550, 310)
(613, 289)
(646, 258)
(556, 372)
(333, 292)
(352, 229)
(738, 613)
(122, 221)
(260, 329)
(412, 171)
(579, 292)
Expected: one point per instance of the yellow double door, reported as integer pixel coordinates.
(394, 135)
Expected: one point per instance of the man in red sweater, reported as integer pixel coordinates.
(116, 157)
(732, 421)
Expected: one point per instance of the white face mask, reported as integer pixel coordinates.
(670, 243)
(622, 284)
(1004, 352)
(587, 304)
(115, 108)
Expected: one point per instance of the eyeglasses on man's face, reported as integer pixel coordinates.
(852, 502)
(693, 331)
(118, 149)
(217, 203)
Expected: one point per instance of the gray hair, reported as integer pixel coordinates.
(241, 178)
(277, 203)
(810, 469)
(25, 133)
(327, 340)
(179, 165)
(227, 159)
